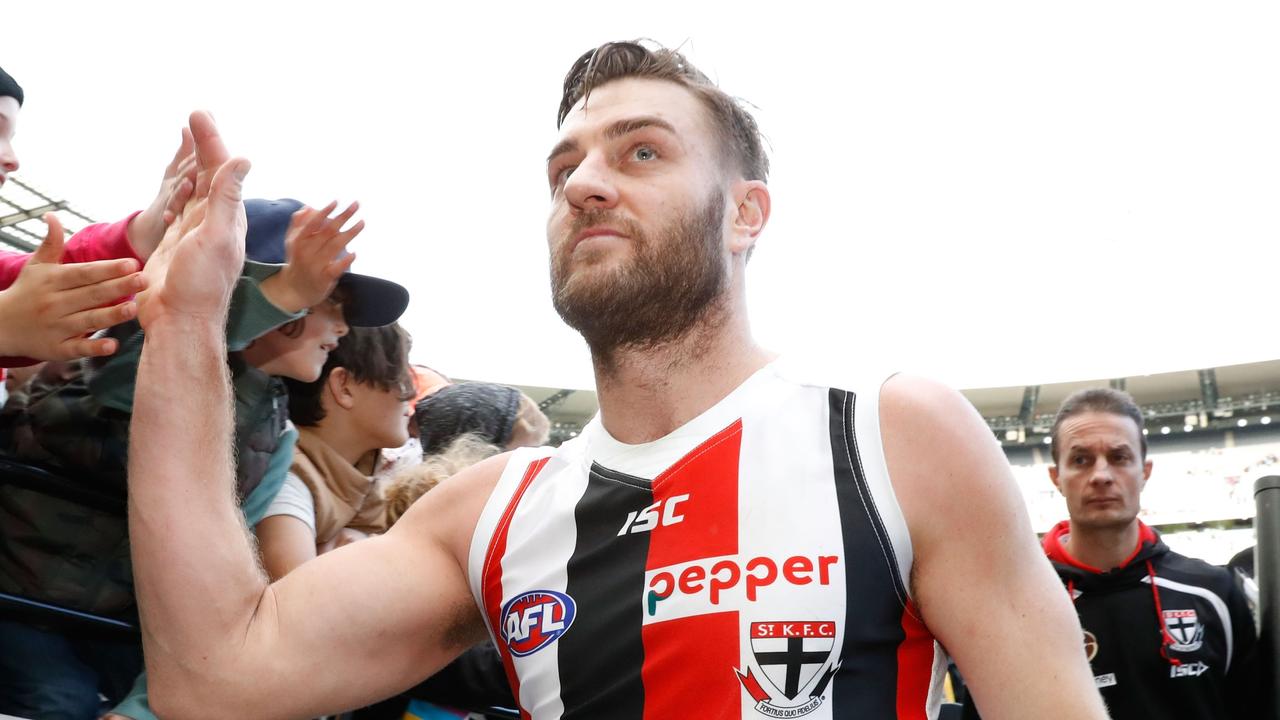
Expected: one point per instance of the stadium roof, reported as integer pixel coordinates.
(1234, 381)
(1201, 398)
(21, 208)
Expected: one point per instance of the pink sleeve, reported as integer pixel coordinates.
(10, 265)
(101, 241)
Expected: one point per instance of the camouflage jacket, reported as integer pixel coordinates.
(64, 552)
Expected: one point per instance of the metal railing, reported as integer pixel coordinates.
(1266, 492)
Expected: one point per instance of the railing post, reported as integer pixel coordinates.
(1266, 493)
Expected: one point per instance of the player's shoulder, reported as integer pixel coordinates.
(476, 483)
(934, 440)
(914, 395)
(919, 406)
(921, 398)
(863, 380)
(473, 487)
(528, 461)
(931, 417)
(449, 511)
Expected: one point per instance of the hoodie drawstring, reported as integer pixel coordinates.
(1165, 638)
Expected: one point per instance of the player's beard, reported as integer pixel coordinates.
(671, 285)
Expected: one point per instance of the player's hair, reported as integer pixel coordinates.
(741, 146)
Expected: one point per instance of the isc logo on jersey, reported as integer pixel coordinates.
(660, 514)
(536, 619)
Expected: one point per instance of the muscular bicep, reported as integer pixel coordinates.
(400, 611)
(372, 618)
(984, 587)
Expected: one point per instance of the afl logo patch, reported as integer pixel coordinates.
(536, 619)
(1090, 645)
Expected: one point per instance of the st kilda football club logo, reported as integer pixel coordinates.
(794, 663)
(1185, 628)
(536, 619)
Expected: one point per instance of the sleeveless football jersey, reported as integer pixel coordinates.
(751, 564)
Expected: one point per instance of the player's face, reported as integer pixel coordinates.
(638, 210)
(1100, 469)
(298, 350)
(8, 126)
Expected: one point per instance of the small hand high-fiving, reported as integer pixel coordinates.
(193, 271)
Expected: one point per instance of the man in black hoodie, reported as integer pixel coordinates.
(1167, 636)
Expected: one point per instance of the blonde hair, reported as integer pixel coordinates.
(411, 483)
(531, 428)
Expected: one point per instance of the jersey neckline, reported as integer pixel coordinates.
(618, 455)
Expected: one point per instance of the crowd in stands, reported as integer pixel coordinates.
(336, 433)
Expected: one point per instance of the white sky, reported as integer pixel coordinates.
(989, 193)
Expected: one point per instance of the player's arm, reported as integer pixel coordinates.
(980, 580)
(338, 632)
(358, 624)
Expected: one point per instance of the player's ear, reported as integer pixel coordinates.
(751, 207)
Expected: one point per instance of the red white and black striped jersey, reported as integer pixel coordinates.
(751, 564)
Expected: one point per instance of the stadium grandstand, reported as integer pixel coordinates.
(1210, 432)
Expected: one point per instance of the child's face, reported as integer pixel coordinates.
(8, 125)
(297, 350)
(383, 414)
